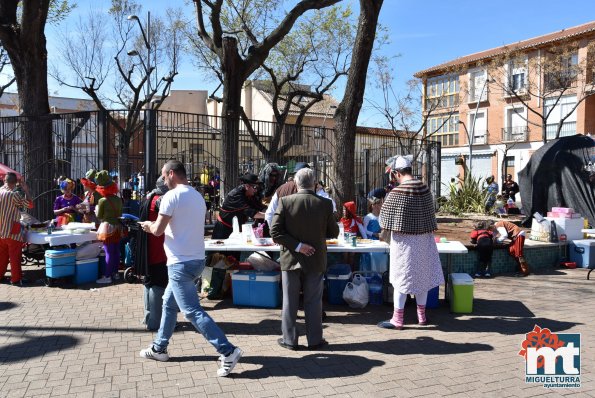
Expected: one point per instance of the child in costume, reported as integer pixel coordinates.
(65, 205)
(108, 211)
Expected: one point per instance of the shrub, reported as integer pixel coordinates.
(469, 196)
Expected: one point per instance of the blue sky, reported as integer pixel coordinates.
(423, 32)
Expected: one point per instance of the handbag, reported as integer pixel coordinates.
(356, 293)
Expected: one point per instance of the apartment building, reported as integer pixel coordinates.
(500, 105)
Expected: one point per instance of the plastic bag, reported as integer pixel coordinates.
(261, 261)
(88, 250)
(356, 292)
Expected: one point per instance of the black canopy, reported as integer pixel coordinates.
(555, 177)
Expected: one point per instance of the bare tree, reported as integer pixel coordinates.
(131, 69)
(544, 81)
(302, 69)
(408, 114)
(351, 104)
(22, 34)
(238, 37)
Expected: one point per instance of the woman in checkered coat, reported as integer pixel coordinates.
(409, 213)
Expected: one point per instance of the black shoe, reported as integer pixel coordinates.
(285, 345)
(323, 343)
(22, 282)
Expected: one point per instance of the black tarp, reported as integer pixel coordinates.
(556, 177)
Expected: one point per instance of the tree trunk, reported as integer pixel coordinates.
(349, 108)
(28, 57)
(233, 79)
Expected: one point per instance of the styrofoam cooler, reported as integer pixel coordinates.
(582, 252)
(86, 271)
(256, 288)
(337, 276)
(461, 297)
(60, 263)
(571, 227)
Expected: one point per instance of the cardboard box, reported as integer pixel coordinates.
(571, 227)
(256, 288)
(566, 210)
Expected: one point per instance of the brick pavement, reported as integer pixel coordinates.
(77, 342)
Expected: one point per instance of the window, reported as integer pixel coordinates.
(517, 75)
(477, 86)
(565, 107)
(480, 129)
(442, 92)
(518, 81)
(174, 145)
(445, 128)
(562, 73)
(515, 124)
(196, 149)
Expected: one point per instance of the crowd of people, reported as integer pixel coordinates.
(298, 214)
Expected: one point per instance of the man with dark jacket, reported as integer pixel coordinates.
(301, 225)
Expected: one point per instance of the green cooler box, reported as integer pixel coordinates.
(461, 294)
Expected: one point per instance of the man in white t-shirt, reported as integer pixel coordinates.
(182, 218)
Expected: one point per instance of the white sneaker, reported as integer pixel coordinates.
(227, 363)
(104, 280)
(150, 353)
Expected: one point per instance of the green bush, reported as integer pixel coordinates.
(469, 196)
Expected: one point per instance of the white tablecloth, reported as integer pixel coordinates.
(452, 247)
(59, 238)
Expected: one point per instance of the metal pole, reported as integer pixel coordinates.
(473, 123)
(148, 43)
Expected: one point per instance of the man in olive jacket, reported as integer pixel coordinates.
(301, 225)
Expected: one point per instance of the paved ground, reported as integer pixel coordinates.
(81, 342)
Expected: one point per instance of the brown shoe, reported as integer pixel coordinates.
(524, 266)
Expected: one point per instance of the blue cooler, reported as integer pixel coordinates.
(375, 287)
(256, 288)
(60, 263)
(582, 252)
(433, 301)
(337, 276)
(86, 271)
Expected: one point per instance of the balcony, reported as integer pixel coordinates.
(480, 137)
(568, 128)
(473, 98)
(509, 92)
(515, 134)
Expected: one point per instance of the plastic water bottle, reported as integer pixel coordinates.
(341, 233)
(375, 289)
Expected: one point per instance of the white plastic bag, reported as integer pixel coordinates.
(261, 261)
(88, 250)
(356, 292)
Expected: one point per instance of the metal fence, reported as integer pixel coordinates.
(84, 140)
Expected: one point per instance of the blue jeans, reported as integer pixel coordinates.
(181, 293)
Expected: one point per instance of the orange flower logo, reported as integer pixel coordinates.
(538, 338)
